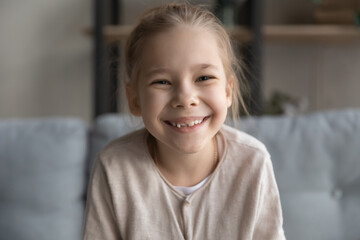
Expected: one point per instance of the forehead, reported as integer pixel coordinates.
(181, 47)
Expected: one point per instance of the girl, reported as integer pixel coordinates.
(185, 176)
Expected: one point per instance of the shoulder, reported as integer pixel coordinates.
(240, 139)
(126, 148)
(244, 151)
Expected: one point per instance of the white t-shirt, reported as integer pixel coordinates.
(189, 190)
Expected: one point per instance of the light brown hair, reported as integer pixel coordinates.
(168, 16)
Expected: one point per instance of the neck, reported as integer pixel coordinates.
(185, 169)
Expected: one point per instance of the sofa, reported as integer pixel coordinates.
(45, 165)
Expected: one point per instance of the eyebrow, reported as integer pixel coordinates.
(204, 66)
(200, 66)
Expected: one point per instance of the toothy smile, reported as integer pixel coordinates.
(181, 124)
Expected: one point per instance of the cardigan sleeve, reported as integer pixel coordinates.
(100, 221)
(269, 220)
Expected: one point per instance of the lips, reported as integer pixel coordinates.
(186, 122)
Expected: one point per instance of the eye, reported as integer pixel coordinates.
(204, 78)
(160, 82)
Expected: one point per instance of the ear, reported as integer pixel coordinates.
(229, 90)
(133, 101)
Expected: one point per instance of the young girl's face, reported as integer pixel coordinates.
(183, 93)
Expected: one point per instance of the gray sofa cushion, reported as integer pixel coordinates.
(316, 160)
(42, 178)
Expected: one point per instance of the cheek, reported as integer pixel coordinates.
(218, 98)
(152, 102)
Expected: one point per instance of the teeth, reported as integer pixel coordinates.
(190, 124)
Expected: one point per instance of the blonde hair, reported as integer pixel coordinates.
(166, 17)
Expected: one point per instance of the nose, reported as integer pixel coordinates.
(185, 96)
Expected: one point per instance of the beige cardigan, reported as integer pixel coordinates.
(129, 198)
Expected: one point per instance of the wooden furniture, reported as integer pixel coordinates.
(114, 34)
(250, 36)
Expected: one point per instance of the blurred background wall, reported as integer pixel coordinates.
(46, 60)
(327, 74)
(45, 67)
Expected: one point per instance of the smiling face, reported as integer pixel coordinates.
(182, 92)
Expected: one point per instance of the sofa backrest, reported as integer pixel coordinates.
(42, 178)
(316, 162)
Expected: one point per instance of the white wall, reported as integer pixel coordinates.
(45, 67)
(327, 75)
